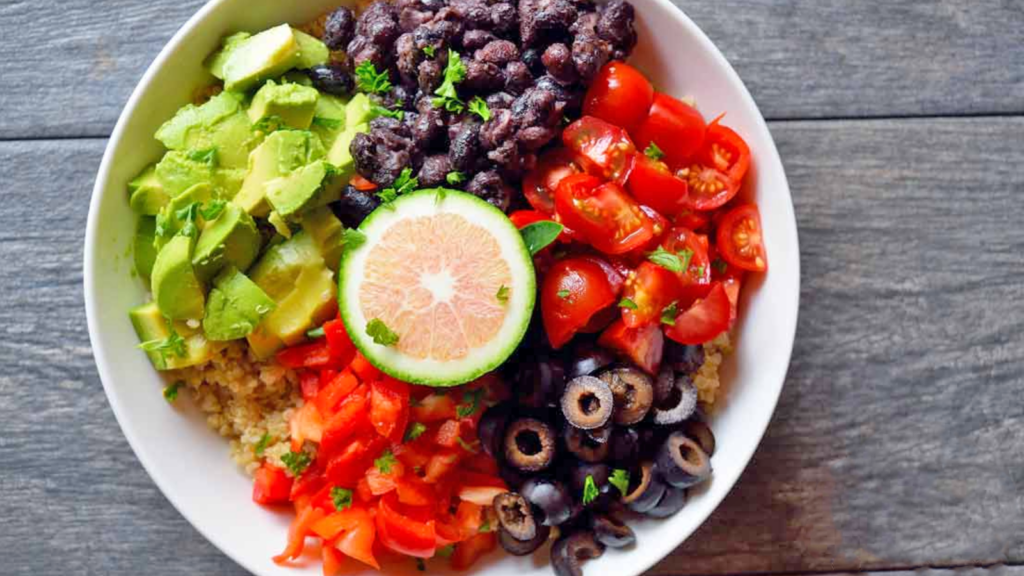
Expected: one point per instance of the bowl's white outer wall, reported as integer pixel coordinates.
(190, 463)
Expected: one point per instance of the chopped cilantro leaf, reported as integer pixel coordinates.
(620, 479)
(502, 294)
(352, 238)
(382, 111)
(297, 462)
(403, 184)
(666, 260)
(466, 445)
(341, 497)
(380, 333)
(720, 265)
(700, 270)
(627, 304)
(328, 123)
(429, 51)
(540, 235)
(207, 156)
(171, 392)
(653, 152)
(261, 446)
(455, 178)
(369, 80)
(385, 462)
(416, 429)
(471, 403)
(315, 333)
(563, 294)
(454, 72)
(485, 527)
(590, 491)
(269, 124)
(213, 209)
(173, 344)
(668, 314)
(445, 551)
(188, 215)
(686, 255)
(479, 107)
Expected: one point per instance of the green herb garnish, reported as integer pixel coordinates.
(172, 344)
(668, 314)
(620, 479)
(485, 527)
(653, 152)
(261, 446)
(479, 107)
(352, 238)
(627, 304)
(371, 81)
(416, 429)
(455, 178)
(403, 184)
(590, 491)
(380, 333)
(540, 235)
(471, 402)
(341, 497)
(212, 210)
(563, 294)
(429, 51)
(207, 156)
(297, 462)
(447, 96)
(385, 462)
(666, 260)
(188, 215)
(382, 111)
(328, 123)
(171, 392)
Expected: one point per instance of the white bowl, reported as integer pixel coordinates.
(190, 463)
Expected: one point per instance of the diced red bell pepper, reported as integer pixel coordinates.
(444, 461)
(297, 533)
(332, 559)
(306, 424)
(406, 530)
(389, 408)
(362, 368)
(333, 391)
(315, 354)
(271, 485)
(341, 347)
(309, 384)
(469, 551)
(434, 408)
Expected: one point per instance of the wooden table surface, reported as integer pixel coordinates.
(898, 444)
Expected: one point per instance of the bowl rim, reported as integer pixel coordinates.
(657, 550)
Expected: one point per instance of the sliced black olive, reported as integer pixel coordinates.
(587, 402)
(611, 531)
(645, 489)
(523, 547)
(702, 433)
(601, 435)
(550, 498)
(680, 405)
(529, 444)
(539, 381)
(583, 447)
(515, 516)
(579, 471)
(589, 359)
(671, 502)
(633, 392)
(491, 429)
(624, 445)
(683, 358)
(571, 550)
(514, 478)
(682, 462)
(664, 384)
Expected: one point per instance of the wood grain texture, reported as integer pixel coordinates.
(69, 71)
(898, 441)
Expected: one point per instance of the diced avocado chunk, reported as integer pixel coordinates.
(143, 251)
(232, 239)
(150, 325)
(308, 187)
(294, 275)
(312, 52)
(215, 63)
(359, 110)
(168, 224)
(297, 77)
(328, 232)
(235, 307)
(176, 289)
(178, 171)
(147, 195)
(328, 119)
(220, 125)
(340, 155)
(294, 104)
(281, 152)
(279, 224)
(265, 55)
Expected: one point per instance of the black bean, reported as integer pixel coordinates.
(506, 155)
(504, 18)
(408, 57)
(498, 129)
(379, 23)
(482, 77)
(434, 170)
(616, 24)
(332, 79)
(500, 100)
(411, 18)
(542, 18)
(362, 49)
(465, 147)
(498, 52)
(532, 58)
(355, 205)
(557, 60)
(491, 187)
(429, 76)
(517, 78)
(339, 28)
(535, 137)
(476, 13)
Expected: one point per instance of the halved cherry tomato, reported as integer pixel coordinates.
(616, 274)
(602, 149)
(271, 485)
(411, 533)
(674, 126)
(573, 291)
(539, 184)
(726, 151)
(644, 345)
(649, 290)
(604, 214)
(703, 321)
(523, 218)
(653, 184)
(709, 187)
(469, 551)
(695, 280)
(693, 220)
(389, 408)
(740, 240)
(619, 94)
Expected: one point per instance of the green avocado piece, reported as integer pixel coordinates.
(178, 171)
(235, 307)
(328, 119)
(176, 289)
(147, 195)
(312, 52)
(265, 55)
(359, 110)
(220, 124)
(305, 188)
(328, 232)
(281, 153)
(231, 239)
(143, 251)
(293, 274)
(151, 325)
(296, 77)
(294, 104)
(215, 63)
(167, 222)
(340, 156)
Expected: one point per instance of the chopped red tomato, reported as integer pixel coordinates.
(441, 463)
(703, 321)
(271, 485)
(608, 218)
(726, 151)
(449, 434)
(732, 287)
(602, 149)
(739, 238)
(412, 491)
(352, 461)
(653, 184)
(381, 482)
(619, 94)
(693, 220)
(674, 127)
(410, 533)
(643, 345)
(539, 184)
(389, 408)
(572, 292)
(647, 293)
(434, 408)
(469, 551)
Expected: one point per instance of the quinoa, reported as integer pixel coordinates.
(707, 378)
(244, 399)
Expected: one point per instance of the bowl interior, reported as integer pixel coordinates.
(190, 463)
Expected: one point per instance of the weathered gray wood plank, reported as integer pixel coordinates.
(898, 441)
(69, 71)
